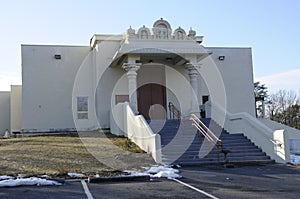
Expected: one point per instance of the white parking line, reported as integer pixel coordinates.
(86, 190)
(194, 188)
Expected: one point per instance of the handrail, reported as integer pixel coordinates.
(209, 135)
(174, 111)
(204, 130)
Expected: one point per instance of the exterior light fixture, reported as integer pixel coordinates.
(57, 56)
(221, 58)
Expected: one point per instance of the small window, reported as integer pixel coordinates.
(82, 108)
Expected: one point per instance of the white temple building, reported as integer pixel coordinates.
(119, 81)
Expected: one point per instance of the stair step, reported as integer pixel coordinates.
(192, 154)
(193, 145)
(223, 136)
(214, 155)
(214, 150)
(215, 159)
(199, 140)
(252, 162)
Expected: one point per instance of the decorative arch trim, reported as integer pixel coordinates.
(161, 23)
(144, 33)
(179, 34)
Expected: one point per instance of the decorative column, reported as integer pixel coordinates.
(193, 76)
(131, 69)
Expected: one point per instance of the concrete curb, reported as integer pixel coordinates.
(60, 180)
(119, 179)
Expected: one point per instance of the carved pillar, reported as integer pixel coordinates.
(131, 69)
(193, 77)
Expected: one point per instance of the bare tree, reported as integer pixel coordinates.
(273, 108)
(284, 108)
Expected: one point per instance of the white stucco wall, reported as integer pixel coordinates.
(113, 82)
(107, 79)
(48, 84)
(16, 108)
(237, 74)
(4, 111)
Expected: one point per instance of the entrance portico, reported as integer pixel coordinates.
(161, 47)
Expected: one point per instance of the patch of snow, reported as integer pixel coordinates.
(167, 174)
(5, 177)
(75, 175)
(158, 172)
(44, 176)
(164, 171)
(27, 181)
(157, 169)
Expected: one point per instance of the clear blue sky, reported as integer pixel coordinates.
(270, 27)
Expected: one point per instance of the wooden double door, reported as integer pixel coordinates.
(151, 92)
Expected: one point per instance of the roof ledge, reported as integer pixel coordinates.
(104, 37)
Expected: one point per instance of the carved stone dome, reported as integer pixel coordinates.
(179, 34)
(143, 33)
(161, 23)
(162, 29)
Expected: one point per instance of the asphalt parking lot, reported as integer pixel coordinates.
(271, 181)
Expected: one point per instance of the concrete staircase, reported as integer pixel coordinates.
(182, 144)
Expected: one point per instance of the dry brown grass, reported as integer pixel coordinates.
(124, 143)
(54, 155)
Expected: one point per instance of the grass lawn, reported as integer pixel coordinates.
(58, 155)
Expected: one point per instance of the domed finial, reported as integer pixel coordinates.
(192, 33)
(130, 31)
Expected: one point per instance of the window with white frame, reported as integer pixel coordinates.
(82, 108)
